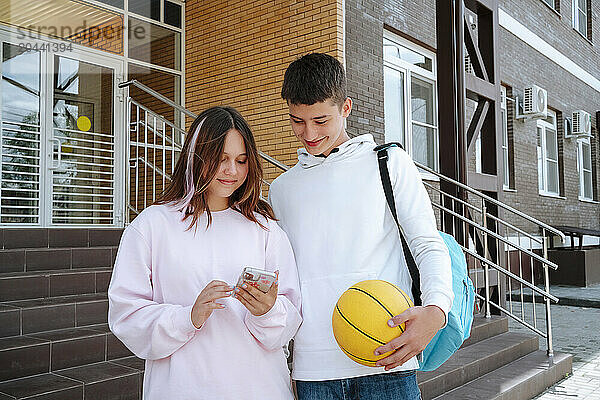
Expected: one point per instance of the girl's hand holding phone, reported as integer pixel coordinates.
(257, 302)
(205, 302)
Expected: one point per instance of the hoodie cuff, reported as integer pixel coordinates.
(268, 318)
(183, 321)
(443, 303)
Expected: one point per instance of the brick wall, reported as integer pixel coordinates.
(107, 36)
(565, 94)
(237, 53)
(557, 30)
(365, 22)
(519, 65)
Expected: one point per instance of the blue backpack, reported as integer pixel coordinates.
(460, 317)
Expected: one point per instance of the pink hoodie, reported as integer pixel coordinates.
(160, 270)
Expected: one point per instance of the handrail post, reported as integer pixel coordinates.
(486, 268)
(126, 161)
(547, 287)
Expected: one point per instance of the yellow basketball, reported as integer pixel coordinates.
(360, 319)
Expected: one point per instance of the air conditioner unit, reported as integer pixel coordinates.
(582, 123)
(535, 102)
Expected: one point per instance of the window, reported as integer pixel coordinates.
(505, 152)
(581, 17)
(152, 43)
(410, 99)
(584, 167)
(146, 8)
(173, 14)
(554, 4)
(114, 3)
(169, 12)
(547, 155)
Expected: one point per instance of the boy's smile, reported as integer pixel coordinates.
(320, 126)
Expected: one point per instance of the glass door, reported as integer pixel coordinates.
(83, 147)
(21, 142)
(60, 135)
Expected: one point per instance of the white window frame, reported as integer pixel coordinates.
(542, 127)
(551, 3)
(505, 146)
(575, 17)
(409, 70)
(581, 142)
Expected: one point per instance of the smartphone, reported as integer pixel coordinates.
(259, 278)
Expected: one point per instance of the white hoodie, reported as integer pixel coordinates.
(335, 214)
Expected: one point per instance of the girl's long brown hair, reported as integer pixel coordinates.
(194, 171)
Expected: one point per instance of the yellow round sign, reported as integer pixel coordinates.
(84, 123)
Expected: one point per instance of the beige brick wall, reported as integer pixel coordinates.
(237, 53)
(107, 36)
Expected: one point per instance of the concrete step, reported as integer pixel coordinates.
(47, 259)
(484, 328)
(27, 238)
(23, 356)
(523, 379)
(131, 362)
(472, 361)
(41, 284)
(37, 387)
(104, 380)
(54, 313)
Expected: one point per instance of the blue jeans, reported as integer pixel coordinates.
(393, 386)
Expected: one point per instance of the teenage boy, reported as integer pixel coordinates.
(333, 208)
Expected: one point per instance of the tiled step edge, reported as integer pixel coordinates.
(24, 260)
(100, 380)
(43, 284)
(475, 360)
(27, 355)
(20, 238)
(57, 312)
(522, 379)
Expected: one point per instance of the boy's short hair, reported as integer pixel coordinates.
(314, 78)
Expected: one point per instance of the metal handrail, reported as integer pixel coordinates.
(510, 274)
(475, 208)
(150, 165)
(159, 134)
(141, 86)
(496, 236)
(159, 96)
(494, 201)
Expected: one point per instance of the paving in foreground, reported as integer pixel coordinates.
(576, 331)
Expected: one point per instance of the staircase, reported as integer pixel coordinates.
(495, 364)
(55, 342)
(54, 338)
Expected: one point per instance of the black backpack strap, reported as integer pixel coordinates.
(382, 157)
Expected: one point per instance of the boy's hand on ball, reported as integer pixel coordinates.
(422, 323)
(257, 302)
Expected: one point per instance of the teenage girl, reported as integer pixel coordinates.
(172, 299)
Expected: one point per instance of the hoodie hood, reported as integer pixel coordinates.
(346, 150)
